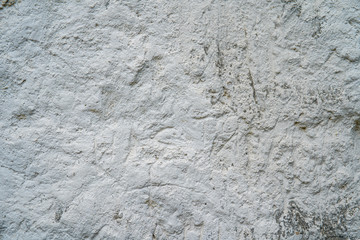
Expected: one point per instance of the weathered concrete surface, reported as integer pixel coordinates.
(180, 119)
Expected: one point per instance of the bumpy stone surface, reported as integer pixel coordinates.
(157, 119)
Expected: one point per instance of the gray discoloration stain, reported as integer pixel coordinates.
(213, 119)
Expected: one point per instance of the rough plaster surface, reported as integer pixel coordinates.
(180, 119)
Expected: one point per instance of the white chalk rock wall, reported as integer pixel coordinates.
(214, 119)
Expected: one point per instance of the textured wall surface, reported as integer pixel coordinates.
(212, 119)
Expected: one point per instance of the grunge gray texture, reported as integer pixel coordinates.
(214, 119)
